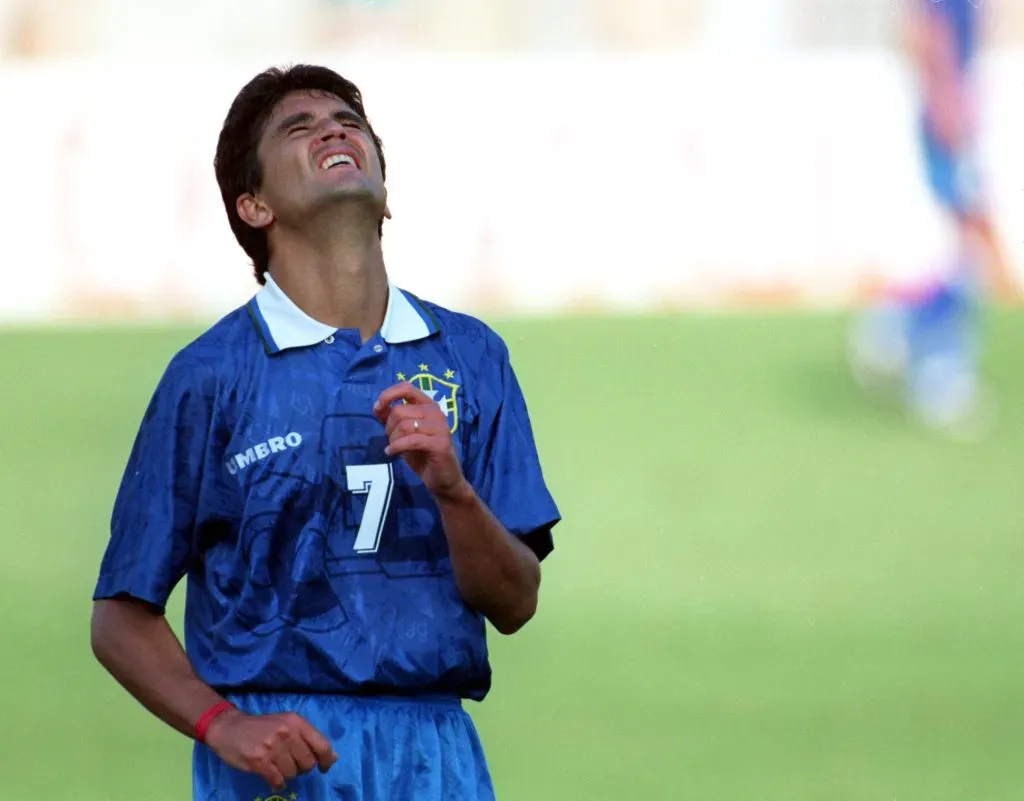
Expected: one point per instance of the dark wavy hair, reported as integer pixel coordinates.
(237, 163)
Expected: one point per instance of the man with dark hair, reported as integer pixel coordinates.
(237, 163)
(347, 476)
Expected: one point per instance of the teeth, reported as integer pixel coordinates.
(340, 158)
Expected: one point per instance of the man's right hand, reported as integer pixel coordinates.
(277, 747)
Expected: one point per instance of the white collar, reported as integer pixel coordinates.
(284, 325)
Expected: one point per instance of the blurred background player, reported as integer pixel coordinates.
(927, 339)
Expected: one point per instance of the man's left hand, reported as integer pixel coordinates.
(418, 431)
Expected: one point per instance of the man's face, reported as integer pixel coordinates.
(316, 151)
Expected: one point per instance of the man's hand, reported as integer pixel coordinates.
(277, 747)
(417, 430)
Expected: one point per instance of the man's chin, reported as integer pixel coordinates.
(350, 202)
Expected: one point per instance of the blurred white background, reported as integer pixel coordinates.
(542, 155)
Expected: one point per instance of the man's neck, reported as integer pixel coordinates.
(338, 277)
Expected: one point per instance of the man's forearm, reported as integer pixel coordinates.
(138, 648)
(495, 573)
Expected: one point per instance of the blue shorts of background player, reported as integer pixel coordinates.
(388, 748)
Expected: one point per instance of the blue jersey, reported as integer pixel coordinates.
(315, 562)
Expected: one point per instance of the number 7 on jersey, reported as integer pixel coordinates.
(375, 481)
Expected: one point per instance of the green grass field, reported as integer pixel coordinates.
(764, 588)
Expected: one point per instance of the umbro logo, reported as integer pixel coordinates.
(261, 450)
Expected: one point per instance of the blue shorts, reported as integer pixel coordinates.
(388, 749)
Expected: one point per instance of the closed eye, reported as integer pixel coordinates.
(297, 129)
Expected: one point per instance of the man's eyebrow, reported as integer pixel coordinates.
(344, 115)
(293, 120)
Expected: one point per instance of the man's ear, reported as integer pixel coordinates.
(253, 211)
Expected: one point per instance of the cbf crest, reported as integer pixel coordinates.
(443, 391)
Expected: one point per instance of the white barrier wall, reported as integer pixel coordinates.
(518, 184)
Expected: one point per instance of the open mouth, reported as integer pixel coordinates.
(338, 160)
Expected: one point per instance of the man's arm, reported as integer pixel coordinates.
(139, 649)
(495, 572)
(150, 549)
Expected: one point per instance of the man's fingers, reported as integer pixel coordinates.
(285, 763)
(322, 749)
(400, 392)
(396, 414)
(282, 755)
(427, 418)
(281, 745)
(303, 755)
(270, 774)
(407, 444)
(416, 425)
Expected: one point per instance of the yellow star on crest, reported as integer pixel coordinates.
(401, 376)
(449, 374)
(294, 797)
(424, 367)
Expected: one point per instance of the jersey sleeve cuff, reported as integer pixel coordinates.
(112, 586)
(538, 539)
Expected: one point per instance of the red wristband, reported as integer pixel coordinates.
(203, 724)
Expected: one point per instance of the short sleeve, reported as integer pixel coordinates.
(154, 512)
(505, 469)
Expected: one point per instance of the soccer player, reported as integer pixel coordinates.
(928, 338)
(347, 477)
